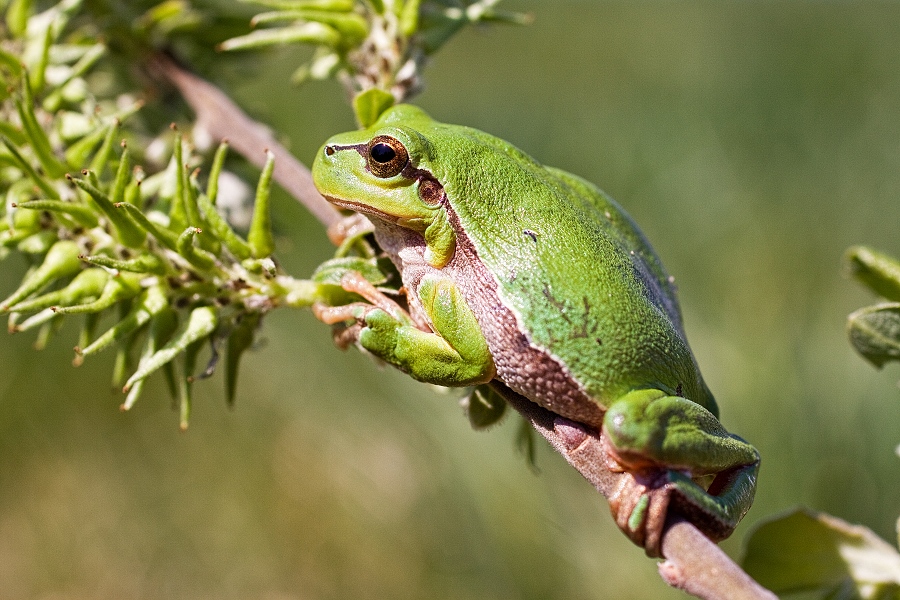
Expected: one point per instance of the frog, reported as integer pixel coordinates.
(533, 281)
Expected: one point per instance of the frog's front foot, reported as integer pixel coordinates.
(350, 319)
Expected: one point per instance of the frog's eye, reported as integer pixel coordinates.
(386, 156)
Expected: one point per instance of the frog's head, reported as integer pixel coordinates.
(383, 171)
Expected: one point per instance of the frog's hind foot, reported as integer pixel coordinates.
(641, 503)
(639, 506)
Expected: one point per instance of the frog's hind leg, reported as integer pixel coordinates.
(670, 445)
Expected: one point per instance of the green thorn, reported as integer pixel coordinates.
(151, 302)
(87, 283)
(201, 323)
(212, 186)
(61, 261)
(260, 237)
(129, 232)
(40, 143)
(211, 243)
(101, 158)
(46, 333)
(32, 173)
(81, 213)
(163, 236)
(186, 382)
(198, 257)
(222, 230)
(178, 215)
(121, 287)
(145, 263)
(162, 326)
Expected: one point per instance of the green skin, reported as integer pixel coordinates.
(535, 280)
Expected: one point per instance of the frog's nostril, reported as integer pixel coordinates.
(329, 150)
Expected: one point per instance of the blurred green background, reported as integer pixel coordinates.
(753, 141)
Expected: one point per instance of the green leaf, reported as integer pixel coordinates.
(186, 382)
(335, 5)
(369, 105)
(352, 27)
(809, 551)
(878, 271)
(311, 33)
(179, 218)
(875, 332)
(409, 17)
(527, 444)
(129, 232)
(100, 160)
(437, 25)
(332, 271)
(17, 16)
(324, 64)
(484, 407)
(240, 340)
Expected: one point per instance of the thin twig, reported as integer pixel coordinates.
(693, 562)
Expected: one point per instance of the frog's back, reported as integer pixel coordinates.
(581, 280)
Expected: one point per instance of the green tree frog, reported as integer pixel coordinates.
(534, 280)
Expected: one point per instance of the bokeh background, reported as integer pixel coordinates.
(753, 141)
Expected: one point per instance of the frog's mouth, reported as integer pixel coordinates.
(362, 208)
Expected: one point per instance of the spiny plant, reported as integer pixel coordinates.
(136, 248)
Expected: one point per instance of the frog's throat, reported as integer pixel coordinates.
(440, 238)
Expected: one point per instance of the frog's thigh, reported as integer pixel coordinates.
(455, 355)
(651, 428)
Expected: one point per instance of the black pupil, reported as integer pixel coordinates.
(382, 153)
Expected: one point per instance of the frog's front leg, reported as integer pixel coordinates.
(454, 354)
(668, 444)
